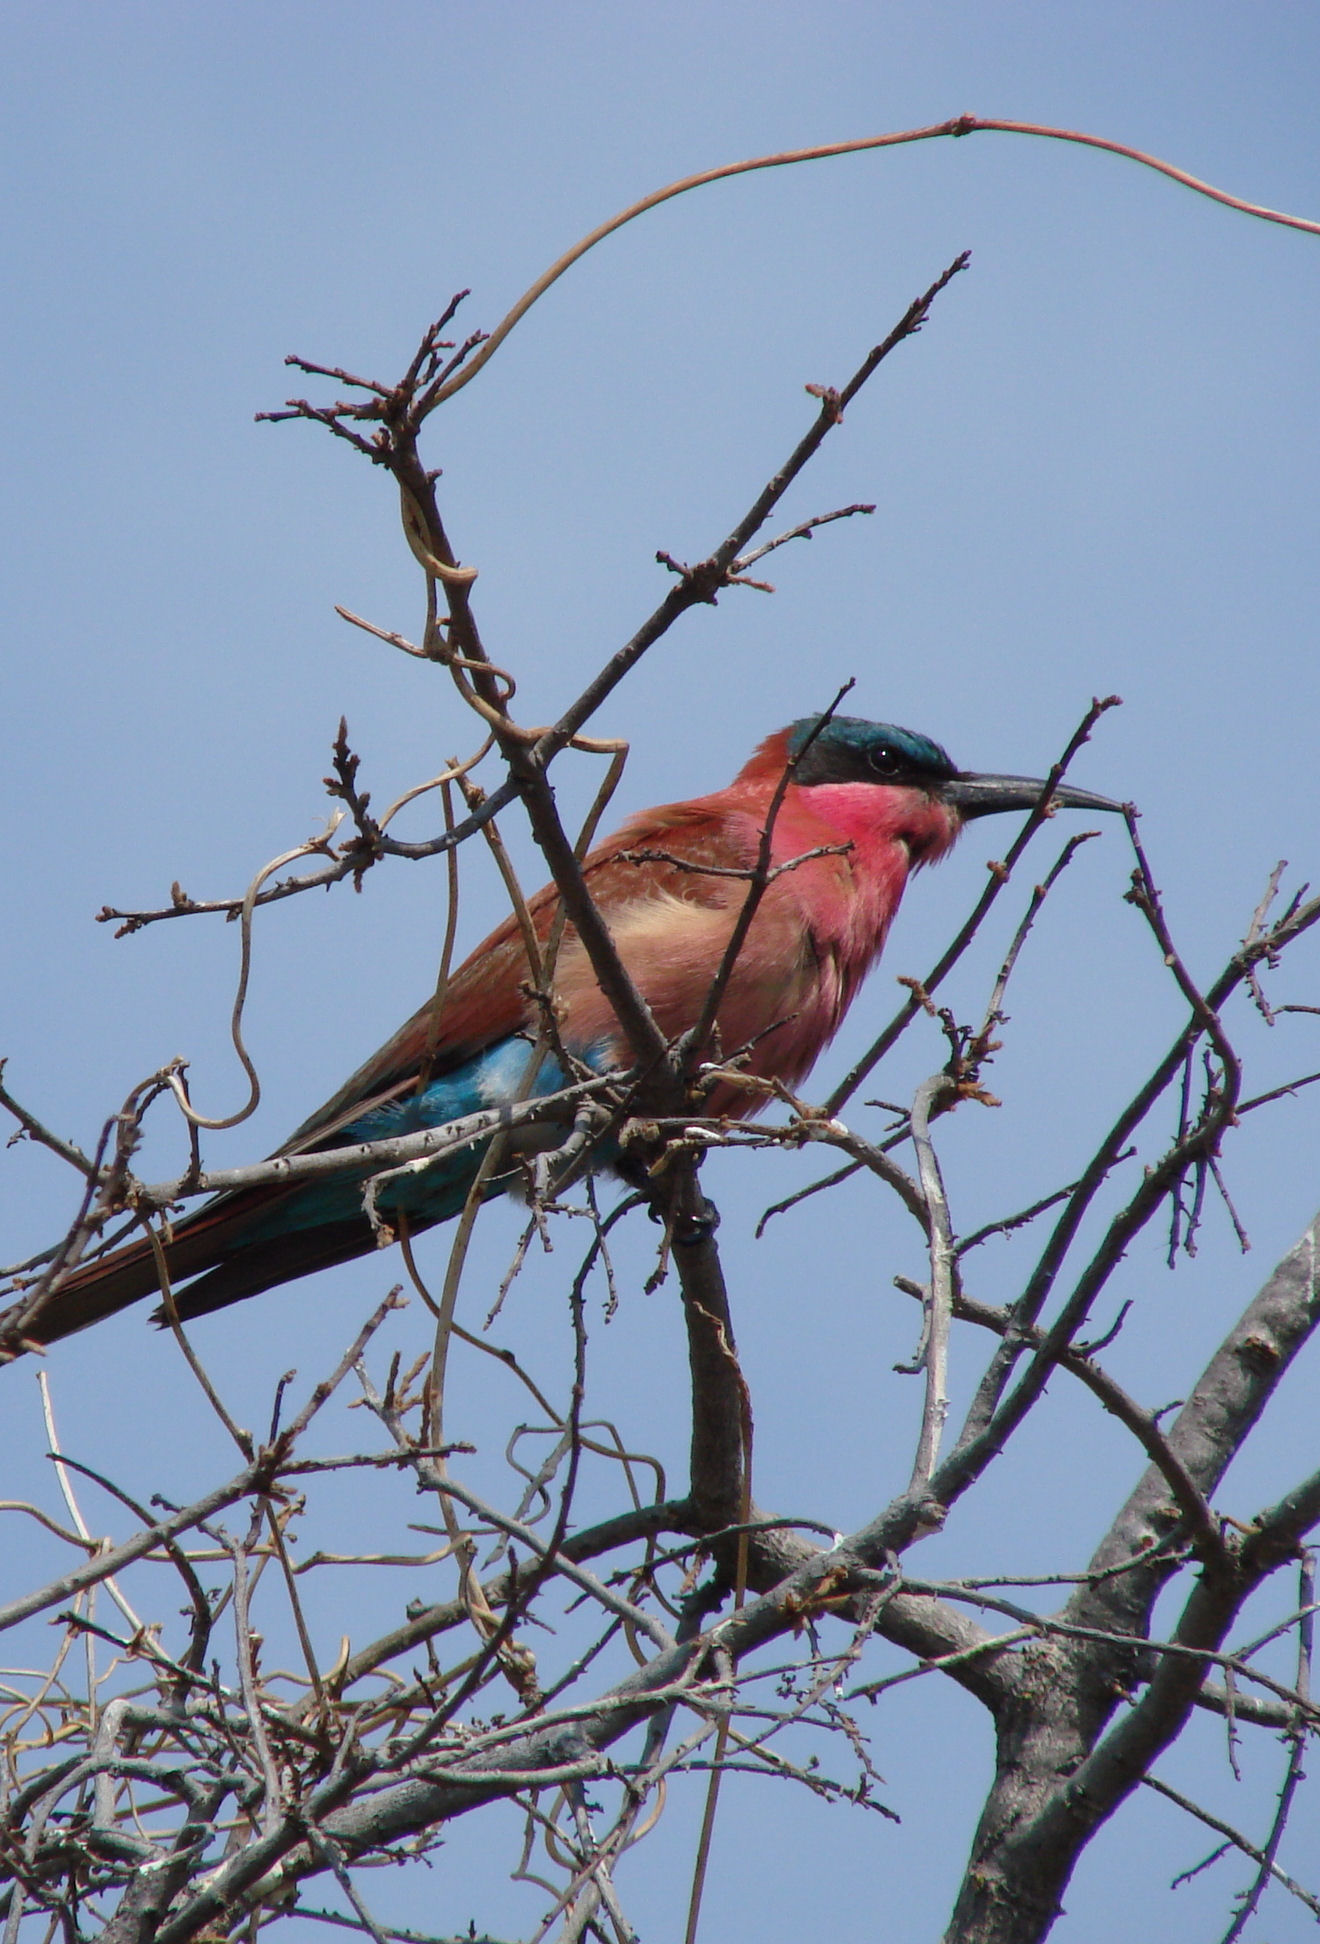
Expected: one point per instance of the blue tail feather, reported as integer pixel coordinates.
(497, 1077)
(240, 1244)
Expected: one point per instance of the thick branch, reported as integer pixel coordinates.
(1059, 1774)
(1211, 1428)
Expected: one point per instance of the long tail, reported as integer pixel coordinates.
(250, 1239)
(216, 1248)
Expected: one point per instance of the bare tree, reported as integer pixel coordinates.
(187, 1788)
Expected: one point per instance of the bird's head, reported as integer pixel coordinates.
(926, 800)
(850, 750)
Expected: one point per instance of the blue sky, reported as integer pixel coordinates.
(1094, 472)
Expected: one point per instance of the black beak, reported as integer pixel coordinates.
(983, 796)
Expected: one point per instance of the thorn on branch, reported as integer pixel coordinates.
(702, 582)
(830, 401)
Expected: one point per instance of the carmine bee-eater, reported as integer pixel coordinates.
(869, 802)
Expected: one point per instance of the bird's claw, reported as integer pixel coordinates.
(696, 1224)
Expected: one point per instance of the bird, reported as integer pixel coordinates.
(862, 806)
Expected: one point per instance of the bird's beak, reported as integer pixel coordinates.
(982, 796)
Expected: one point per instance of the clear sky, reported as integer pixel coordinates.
(1095, 472)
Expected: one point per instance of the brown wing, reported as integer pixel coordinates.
(483, 1005)
(485, 1001)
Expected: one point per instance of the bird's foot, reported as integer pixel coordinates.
(695, 1224)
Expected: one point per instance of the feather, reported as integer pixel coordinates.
(872, 804)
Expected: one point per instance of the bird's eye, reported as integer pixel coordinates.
(884, 759)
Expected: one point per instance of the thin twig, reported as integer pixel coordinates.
(1231, 1835)
(959, 125)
